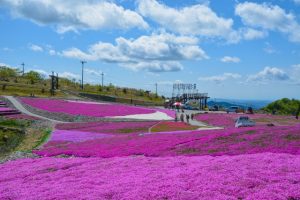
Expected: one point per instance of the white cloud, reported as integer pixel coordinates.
(93, 72)
(269, 48)
(34, 47)
(69, 75)
(155, 66)
(228, 59)
(251, 34)
(40, 71)
(69, 15)
(7, 65)
(7, 49)
(52, 52)
(194, 20)
(296, 67)
(169, 82)
(158, 52)
(269, 74)
(269, 17)
(220, 78)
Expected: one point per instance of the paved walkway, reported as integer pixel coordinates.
(21, 108)
(194, 122)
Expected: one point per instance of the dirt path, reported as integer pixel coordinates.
(21, 108)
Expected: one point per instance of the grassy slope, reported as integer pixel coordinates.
(21, 135)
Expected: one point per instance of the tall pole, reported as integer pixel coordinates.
(82, 66)
(102, 78)
(23, 68)
(156, 89)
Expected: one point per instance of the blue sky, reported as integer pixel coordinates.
(230, 49)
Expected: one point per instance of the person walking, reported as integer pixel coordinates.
(182, 117)
(187, 118)
(192, 116)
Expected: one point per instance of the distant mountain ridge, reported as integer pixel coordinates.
(255, 104)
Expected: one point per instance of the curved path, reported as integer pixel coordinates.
(21, 108)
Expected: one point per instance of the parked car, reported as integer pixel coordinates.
(244, 121)
(232, 109)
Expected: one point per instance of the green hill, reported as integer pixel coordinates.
(13, 82)
(283, 106)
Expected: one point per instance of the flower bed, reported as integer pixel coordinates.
(232, 141)
(228, 120)
(166, 126)
(85, 109)
(21, 116)
(257, 176)
(108, 127)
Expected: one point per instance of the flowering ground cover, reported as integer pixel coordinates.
(231, 141)
(166, 126)
(21, 116)
(87, 109)
(5, 109)
(258, 176)
(108, 127)
(228, 120)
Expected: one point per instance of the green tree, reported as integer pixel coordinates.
(7, 73)
(33, 77)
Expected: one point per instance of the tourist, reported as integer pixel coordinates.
(182, 117)
(187, 118)
(192, 116)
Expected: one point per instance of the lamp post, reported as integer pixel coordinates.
(82, 66)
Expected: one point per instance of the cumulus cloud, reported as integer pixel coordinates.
(7, 65)
(93, 72)
(169, 82)
(158, 52)
(40, 71)
(34, 47)
(251, 34)
(155, 66)
(69, 75)
(194, 20)
(228, 59)
(269, 74)
(296, 67)
(68, 15)
(220, 78)
(269, 17)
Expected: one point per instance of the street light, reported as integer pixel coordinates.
(82, 65)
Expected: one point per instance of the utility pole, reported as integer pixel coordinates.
(102, 78)
(156, 89)
(23, 65)
(82, 66)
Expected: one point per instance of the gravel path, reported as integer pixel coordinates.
(21, 108)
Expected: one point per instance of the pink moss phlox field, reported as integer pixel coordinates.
(5, 109)
(257, 176)
(87, 109)
(108, 127)
(231, 141)
(21, 116)
(75, 136)
(228, 120)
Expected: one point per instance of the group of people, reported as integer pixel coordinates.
(184, 117)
